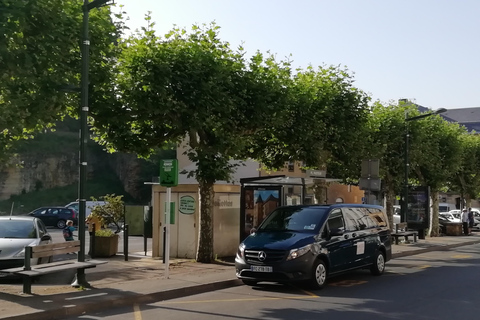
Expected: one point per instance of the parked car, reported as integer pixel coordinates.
(312, 242)
(89, 205)
(17, 232)
(450, 217)
(442, 224)
(55, 216)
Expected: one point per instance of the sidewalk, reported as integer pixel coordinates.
(142, 280)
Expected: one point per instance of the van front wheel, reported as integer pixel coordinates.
(378, 266)
(319, 274)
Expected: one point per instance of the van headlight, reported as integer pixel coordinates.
(296, 253)
(241, 251)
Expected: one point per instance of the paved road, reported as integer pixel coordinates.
(434, 285)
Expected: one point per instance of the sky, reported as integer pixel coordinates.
(426, 51)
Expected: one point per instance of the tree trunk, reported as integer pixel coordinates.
(320, 191)
(434, 225)
(205, 244)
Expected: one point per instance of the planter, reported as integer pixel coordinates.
(453, 229)
(105, 246)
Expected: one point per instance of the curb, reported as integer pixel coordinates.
(128, 300)
(131, 299)
(433, 248)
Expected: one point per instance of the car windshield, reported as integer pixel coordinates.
(17, 229)
(302, 219)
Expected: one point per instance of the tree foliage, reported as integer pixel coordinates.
(112, 212)
(40, 55)
(191, 86)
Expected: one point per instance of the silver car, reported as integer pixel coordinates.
(17, 232)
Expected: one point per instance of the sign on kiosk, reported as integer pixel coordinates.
(169, 173)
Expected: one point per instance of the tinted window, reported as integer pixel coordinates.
(335, 221)
(294, 219)
(363, 218)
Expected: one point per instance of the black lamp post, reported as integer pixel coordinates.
(87, 6)
(404, 204)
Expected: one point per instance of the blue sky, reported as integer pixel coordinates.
(423, 50)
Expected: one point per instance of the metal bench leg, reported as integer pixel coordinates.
(27, 285)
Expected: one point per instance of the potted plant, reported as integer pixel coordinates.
(110, 214)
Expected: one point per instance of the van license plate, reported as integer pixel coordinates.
(262, 269)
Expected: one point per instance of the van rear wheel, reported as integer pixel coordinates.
(319, 274)
(378, 266)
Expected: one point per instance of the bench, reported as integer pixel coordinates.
(49, 250)
(403, 234)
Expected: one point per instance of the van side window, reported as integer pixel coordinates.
(335, 221)
(361, 218)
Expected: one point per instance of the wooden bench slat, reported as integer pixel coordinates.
(55, 252)
(54, 246)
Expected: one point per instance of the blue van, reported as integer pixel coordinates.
(309, 243)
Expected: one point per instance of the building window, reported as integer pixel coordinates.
(291, 166)
(339, 200)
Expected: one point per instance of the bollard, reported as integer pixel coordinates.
(125, 241)
(164, 239)
(91, 252)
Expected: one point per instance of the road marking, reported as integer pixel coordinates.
(347, 283)
(311, 294)
(461, 256)
(242, 299)
(424, 267)
(137, 312)
(87, 296)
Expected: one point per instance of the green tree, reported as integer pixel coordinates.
(323, 124)
(466, 180)
(385, 141)
(40, 54)
(435, 153)
(191, 86)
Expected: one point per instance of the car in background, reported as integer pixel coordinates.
(396, 215)
(55, 216)
(442, 224)
(450, 217)
(17, 232)
(89, 205)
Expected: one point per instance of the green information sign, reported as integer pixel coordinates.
(187, 205)
(169, 173)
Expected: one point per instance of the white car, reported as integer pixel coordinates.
(17, 232)
(450, 217)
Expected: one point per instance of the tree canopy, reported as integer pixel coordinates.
(40, 56)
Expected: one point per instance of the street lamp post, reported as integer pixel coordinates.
(404, 207)
(87, 6)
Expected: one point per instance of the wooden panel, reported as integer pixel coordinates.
(47, 250)
(46, 247)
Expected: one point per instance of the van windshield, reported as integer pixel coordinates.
(306, 219)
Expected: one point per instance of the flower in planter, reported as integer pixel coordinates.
(104, 233)
(112, 212)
